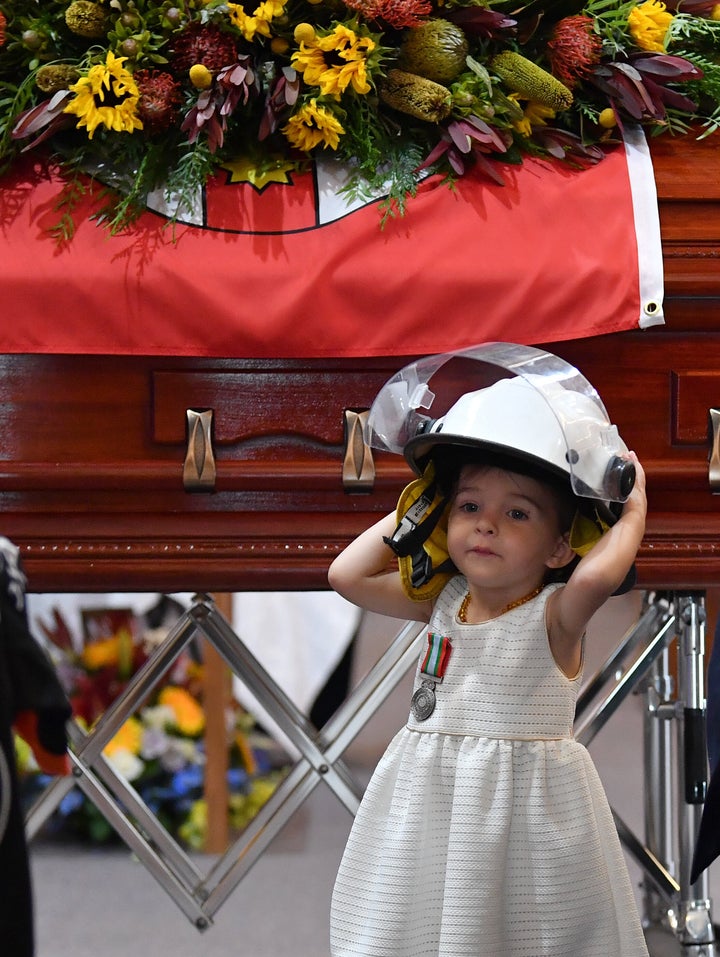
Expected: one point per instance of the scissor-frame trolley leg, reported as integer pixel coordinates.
(675, 765)
(200, 895)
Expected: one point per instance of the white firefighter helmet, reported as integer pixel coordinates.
(546, 415)
(534, 412)
(518, 422)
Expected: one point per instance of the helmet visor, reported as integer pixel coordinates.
(416, 398)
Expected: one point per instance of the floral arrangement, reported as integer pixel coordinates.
(162, 94)
(159, 750)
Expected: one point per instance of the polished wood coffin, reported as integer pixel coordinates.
(93, 448)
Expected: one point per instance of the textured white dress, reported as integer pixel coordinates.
(485, 830)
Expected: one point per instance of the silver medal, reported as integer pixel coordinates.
(422, 703)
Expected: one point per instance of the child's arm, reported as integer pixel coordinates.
(366, 574)
(596, 577)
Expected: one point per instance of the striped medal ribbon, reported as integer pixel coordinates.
(432, 669)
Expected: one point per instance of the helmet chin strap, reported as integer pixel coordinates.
(420, 539)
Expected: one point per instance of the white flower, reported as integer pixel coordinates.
(126, 763)
(154, 743)
(180, 752)
(160, 717)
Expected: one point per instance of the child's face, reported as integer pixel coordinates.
(504, 529)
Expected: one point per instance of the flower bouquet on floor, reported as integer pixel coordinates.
(160, 750)
(152, 96)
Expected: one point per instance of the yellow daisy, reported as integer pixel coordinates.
(107, 96)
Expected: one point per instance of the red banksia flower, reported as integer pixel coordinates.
(573, 49)
(202, 44)
(3, 24)
(159, 99)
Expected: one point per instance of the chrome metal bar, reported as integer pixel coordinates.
(659, 791)
(587, 728)
(695, 928)
(653, 617)
(144, 820)
(98, 795)
(662, 879)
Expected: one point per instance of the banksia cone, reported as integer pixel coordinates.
(416, 95)
(86, 19)
(532, 82)
(56, 76)
(436, 49)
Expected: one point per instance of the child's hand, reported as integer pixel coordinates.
(636, 503)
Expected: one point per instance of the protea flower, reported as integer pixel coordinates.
(159, 99)
(397, 13)
(573, 49)
(206, 44)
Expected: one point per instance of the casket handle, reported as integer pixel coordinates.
(358, 471)
(714, 450)
(199, 471)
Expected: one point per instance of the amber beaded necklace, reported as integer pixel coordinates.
(462, 611)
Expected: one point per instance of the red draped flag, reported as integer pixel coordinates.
(286, 267)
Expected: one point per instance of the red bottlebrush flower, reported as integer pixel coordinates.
(206, 44)
(159, 100)
(573, 49)
(396, 13)
(3, 24)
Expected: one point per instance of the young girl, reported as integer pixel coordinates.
(485, 831)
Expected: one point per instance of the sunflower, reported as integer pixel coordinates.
(312, 125)
(257, 22)
(107, 96)
(335, 61)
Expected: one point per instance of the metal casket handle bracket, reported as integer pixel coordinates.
(358, 471)
(199, 472)
(714, 450)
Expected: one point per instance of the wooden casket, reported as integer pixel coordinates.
(106, 485)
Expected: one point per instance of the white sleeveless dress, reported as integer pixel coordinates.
(485, 830)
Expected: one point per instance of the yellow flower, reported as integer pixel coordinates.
(335, 62)
(649, 24)
(128, 738)
(107, 96)
(312, 125)
(257, 22)
(193, 830)
(534, 114)
(101, 654)
(189, 717)
(200, 77)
